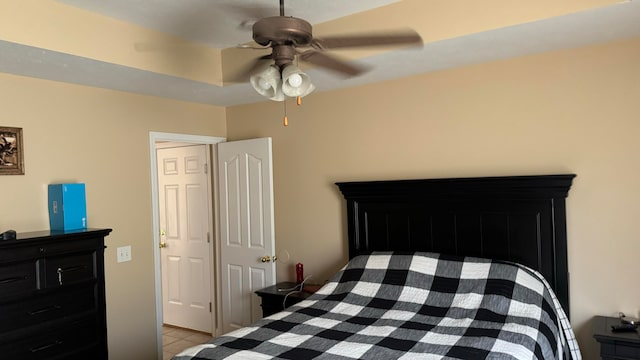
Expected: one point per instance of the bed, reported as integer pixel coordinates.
(469, 268)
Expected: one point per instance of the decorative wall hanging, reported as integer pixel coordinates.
(11, 154)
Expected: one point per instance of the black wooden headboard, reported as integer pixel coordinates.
(517, 218)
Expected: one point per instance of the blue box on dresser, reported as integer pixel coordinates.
(67, 207)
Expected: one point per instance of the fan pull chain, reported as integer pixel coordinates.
(299, 101)
(286, 120)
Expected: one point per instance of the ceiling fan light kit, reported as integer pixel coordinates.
(275, 84)
(285, 34)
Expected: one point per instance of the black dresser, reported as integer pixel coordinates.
(52, 297)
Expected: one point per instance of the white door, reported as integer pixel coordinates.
(245, 181)
(186, 249)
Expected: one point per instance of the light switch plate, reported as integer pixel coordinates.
(124, 253)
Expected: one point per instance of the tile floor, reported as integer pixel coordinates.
(175, 339)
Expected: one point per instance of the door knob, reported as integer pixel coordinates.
(267, 258)
(163, 245)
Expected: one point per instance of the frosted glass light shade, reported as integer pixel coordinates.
(295, 82)
(267, 83)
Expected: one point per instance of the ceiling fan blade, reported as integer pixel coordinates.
(331, 63)
(407, 37)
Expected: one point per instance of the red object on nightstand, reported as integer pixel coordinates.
(299, 273)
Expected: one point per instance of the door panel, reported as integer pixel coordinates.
(196, 196)
(172, 213)
(245, 183)
(234, 287)
(173, 279)
(258, 281)
(198, 297)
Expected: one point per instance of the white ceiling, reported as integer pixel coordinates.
(217, 24)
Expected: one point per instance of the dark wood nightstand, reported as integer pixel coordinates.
(618, 345)
(273, 297)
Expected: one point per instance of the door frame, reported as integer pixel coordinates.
(191, 139)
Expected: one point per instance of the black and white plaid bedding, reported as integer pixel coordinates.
(411, 306)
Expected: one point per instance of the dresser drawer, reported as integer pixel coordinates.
(72, 269)
(86, 245)
(59, 342)
(33, 311)
(18, 279)
(18, 253)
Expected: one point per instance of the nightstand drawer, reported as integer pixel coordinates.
(66, 270)
(620, 350)
(18, 279)
(272, 304)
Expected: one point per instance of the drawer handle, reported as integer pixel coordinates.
(12, 279)
(44, 310)
(45, 347)
(68, 269)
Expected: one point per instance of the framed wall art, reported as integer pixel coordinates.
(11, 154)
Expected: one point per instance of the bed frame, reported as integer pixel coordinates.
(518, 218)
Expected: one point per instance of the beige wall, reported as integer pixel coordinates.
(99, 137)
(566, 112)
(573, 111)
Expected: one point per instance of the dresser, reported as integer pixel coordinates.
(52, 295)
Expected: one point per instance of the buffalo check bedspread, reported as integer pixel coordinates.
(411, 306)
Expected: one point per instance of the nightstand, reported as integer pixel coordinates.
(272, 297)
(618, 345)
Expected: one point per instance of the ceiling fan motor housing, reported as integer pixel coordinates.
(283, 55)
(282, 30)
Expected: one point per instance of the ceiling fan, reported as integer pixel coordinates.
(291, 38)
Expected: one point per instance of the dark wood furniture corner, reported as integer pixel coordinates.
(52, 295)
(615, 345)
(273, 297)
